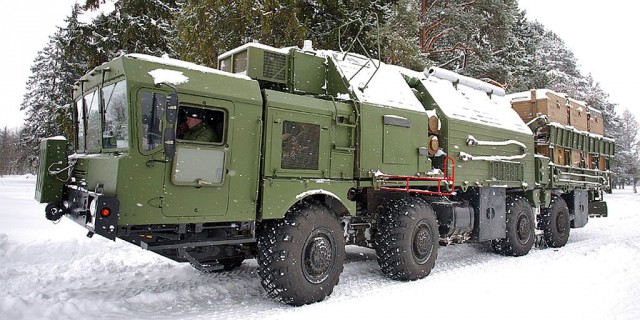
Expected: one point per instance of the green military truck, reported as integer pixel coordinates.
(309, 151)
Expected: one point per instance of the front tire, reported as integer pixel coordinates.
(521, 231)
(556, 223)
(300, 258)
(407, 239)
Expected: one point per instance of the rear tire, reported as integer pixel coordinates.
(407, 239)
(556, 223)
(300, 258)
(521, 229)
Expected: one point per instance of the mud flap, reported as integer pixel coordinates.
(578, 204)
(489, 205)
(598, 209)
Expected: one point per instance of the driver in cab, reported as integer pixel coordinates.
(196, 127)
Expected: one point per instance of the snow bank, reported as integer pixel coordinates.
(54, 272)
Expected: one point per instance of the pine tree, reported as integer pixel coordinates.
(208, 28)
(399, 37)
(144, 26)
(48, 99)
(628, 149)
(40, 102)
(463, 35)
(8, 149)
(518, 56)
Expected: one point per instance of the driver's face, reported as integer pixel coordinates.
(192, 122)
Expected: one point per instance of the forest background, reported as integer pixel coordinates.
(479, 38)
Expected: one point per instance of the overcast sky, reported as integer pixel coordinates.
(25, 27)
(593, 30)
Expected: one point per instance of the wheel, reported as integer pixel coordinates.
(556, 223)
(300, 257)
(407, 239)
(521, 231)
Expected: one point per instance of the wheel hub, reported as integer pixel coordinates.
(524, 228)
(318, 257)
(561, 223)
(422, 243)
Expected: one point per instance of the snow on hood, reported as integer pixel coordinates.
(469, 101)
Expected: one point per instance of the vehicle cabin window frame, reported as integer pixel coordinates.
(80, 125)
(115, 116)
(201, 163)
(90, 118)
(93, 114)
(159, 122)
(213, 117)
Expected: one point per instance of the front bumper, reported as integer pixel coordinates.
(97, 213)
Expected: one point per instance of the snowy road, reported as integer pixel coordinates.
(54, 272)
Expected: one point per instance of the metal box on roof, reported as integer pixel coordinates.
(530, 105)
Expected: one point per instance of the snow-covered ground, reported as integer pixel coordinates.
(54, 272)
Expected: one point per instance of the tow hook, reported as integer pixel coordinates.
(55, 210)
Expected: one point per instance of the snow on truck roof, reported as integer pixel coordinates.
(376, 82)
(183, 64)
(540, 93)
(472, 100)
(469, 99)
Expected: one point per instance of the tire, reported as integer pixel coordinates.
(521, 229)
(406, 242)
(300, 258)
(556, 223)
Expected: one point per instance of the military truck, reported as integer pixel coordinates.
(310, 151)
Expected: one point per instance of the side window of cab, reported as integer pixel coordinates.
(201, 125)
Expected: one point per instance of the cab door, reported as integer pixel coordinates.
(197, 180)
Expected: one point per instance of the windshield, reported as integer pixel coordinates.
(93, 120)
(111, 102)
(115, 133)
(80, 123)
(153, 105)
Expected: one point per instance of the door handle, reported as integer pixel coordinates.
(201, 182)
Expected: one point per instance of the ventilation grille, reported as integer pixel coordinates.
(300, 145)
(506, 171)
(274, 66)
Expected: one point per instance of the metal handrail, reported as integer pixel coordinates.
(407, 188)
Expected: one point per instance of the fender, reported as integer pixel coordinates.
(278, 195)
